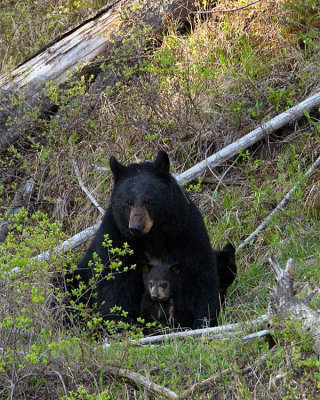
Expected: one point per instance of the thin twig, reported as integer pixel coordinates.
(62, 381)
(221, 180)
(310, 296)
(85, 190)
(225, 11)
(279, 207)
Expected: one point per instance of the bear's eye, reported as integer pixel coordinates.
(164, 285)
(150, 284)
(129, 203)
(147, 200)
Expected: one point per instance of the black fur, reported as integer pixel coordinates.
(173, 310)
(227, 268)
(178, 232)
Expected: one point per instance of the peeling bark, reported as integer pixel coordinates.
(284, 305)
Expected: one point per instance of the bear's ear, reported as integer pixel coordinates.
(162, 163)
(117, 168)
(146, 268)
(176, 268)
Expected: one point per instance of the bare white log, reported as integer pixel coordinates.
(141, 380)
(251, 138)
(264, 332)
(75, 48)
(285, 306)
(80, 46)
(85, 190)
(198, 332)
(71, 243)
(279, 207)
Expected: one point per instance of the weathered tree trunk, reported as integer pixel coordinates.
(285, 306)
(98, 36)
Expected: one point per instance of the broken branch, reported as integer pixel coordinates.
(285, 306)
(84, 189)
(198, 332)
(141, 380)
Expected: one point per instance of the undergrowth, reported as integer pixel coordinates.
(190, 95)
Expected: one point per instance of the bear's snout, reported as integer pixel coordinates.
(140, 222)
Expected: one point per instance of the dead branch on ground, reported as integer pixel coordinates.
(285, 306)
(251, 138)
(140, 380)
(198, 332)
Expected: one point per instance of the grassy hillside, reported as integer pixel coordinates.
(200, 89)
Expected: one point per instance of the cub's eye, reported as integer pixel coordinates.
(147, 200)
(129, 203)
(164, 285)
(150, 284)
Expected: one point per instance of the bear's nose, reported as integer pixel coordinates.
(154, 297)
(135, 228)
(134, 231)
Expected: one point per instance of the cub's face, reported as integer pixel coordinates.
(161, 281)
(159, 290)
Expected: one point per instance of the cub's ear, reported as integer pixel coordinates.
(117, 168)
(162, 163)
(176, 268)
(146, 268)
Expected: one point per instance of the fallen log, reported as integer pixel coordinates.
(203, 331)
(251, 138)
(140, 380)
(285, 306)
(98, 36)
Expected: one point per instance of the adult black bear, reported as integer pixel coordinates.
(162, 300)
(157, 219)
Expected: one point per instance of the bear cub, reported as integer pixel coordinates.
(162, 299)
